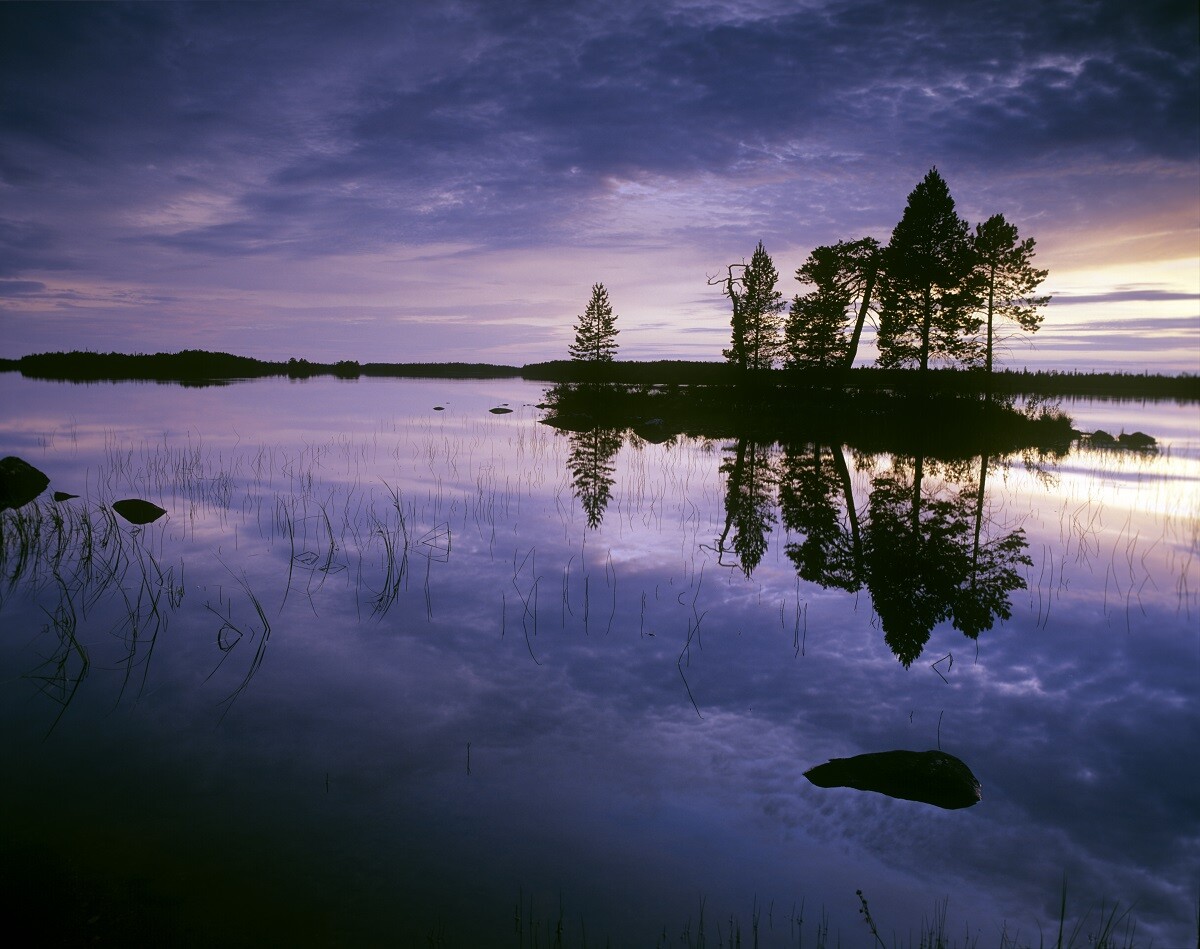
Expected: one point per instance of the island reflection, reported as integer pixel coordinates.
(922, 543)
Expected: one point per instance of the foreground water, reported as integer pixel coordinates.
(395, 668)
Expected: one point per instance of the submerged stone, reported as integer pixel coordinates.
(137, 511)
(20, 482)
(930, 777)
(1138, 441)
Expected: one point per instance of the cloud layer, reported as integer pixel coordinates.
(254, 161)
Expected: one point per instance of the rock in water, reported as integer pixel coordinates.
(1138, 441)
(20, 482)
(931, 777)
(137, 511)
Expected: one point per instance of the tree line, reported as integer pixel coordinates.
(939, 293)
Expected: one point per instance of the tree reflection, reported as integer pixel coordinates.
(920, 552)
(815, 478)
(592, 470)
(749, 502)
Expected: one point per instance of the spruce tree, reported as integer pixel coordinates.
(596, 330)
(929, 294)
(757, 312)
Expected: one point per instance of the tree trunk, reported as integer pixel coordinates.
(862, 316)
(926, 320)
(990, 310)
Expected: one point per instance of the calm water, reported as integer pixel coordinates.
(384, 671)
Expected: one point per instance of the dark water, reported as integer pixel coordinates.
(384, 673)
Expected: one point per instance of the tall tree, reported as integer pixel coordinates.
(929, 293)
(841, 274)
(1007, 280)
(596, 330)
(757, 311)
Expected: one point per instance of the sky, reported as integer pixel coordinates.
(446, 181)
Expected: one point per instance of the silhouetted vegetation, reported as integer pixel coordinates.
(199, 367)
(757, 322)
(596, 329)
(940, 293)
(942, 425)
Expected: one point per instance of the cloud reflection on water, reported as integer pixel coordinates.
(610, 756)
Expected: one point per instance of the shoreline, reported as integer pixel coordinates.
(200, 367)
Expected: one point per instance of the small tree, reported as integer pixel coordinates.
(596, 330)
(757, 311)
(1008, 279)
(929, 292)
(816, 330)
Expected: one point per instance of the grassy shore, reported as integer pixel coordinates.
(200, 367)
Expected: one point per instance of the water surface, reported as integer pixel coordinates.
(394, 664)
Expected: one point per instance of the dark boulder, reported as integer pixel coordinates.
(137, 511)
(20, 482)
(1137, 441)
(930, 777)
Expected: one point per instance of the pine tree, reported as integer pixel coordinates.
(929, 294)
(1008, 279)
(757, 312)
(816, 332)
(596, 330)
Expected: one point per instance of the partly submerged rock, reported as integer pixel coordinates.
(1130, 441)
(1138, 441)
(20, 482)
(931, 777)
(500, 410)
(137, 511)
(61, 496)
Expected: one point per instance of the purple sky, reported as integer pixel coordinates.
(446, 181)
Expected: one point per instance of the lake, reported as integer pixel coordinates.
(395, 668)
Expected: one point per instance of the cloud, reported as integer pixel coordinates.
(164, 143)
(13, 288)
(1144, 295)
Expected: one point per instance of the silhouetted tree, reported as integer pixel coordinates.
(816, 331)
(757, 311)
(592, 469)
(596, 330)
(928, 296)
(749, 502)
(1007, 279)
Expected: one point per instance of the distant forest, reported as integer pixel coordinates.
(199, 367)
